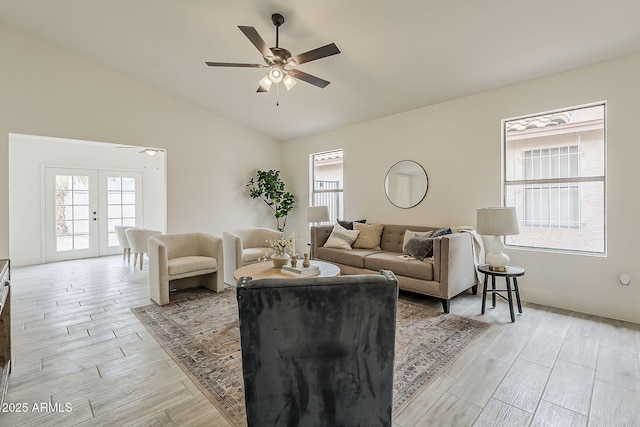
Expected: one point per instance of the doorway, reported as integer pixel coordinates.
(82, 208)
(99, 171)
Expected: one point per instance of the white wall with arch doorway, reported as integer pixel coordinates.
(32, 158)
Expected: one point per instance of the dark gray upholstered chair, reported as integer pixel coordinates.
(318, 351)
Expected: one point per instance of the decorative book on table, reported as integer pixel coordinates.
(312, 270)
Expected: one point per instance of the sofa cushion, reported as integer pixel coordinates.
(369, 237)
(408, 234)
(354, 258)
(419, 247)
(400, 266)
(253, 254)
(341, 238)
(190, 264)
(393, 235)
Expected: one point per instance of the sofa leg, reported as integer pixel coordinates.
(474, 289)
(446, 305)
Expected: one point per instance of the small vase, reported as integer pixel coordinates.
(306, 262)
(279, 260)
(294, 261)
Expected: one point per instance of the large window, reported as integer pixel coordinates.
(554, 174)
(326, 179)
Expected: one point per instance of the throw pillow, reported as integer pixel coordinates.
(408, 234)
(441, 232)
(369, 237)
(349, 224)
(341, 238)
(420, 247)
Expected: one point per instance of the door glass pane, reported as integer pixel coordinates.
(81, 241)
(128, 211)
(114, 198)
(129, 184)
(114, 211)
(80, 227)
(114, 184)
(64, 243)
(80, 197)
(81, 212)
(129, 198)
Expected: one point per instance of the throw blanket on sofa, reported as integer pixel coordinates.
(478, 247)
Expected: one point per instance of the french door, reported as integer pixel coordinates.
(83, 206)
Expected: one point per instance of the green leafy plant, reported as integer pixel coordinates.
(268, 186)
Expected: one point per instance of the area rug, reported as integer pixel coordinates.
(199, 329)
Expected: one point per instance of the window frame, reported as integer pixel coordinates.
(505, 184)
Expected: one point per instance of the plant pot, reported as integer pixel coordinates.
(279, 260)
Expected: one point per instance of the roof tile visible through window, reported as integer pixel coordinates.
(540, 121)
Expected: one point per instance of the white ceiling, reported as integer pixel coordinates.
(396, 56)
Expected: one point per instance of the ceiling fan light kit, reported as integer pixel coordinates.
(279, 61)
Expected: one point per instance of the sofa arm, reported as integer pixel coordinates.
(158, 272)
(453, 263)
(211, 246)
(232, 248)
(319, 236)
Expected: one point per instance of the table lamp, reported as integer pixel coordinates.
(316, 214)
(497, 222)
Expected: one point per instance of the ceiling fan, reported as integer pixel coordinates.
(146, 150)
(280, 62)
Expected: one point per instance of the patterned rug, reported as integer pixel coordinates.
(199, 329)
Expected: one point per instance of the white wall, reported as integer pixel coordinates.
(459, 145)
(28, 154)
(51, 92)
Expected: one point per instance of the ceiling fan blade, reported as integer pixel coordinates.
(318, 53)
(261, 89)
(316, 81)
(257, 41)
(233, 64)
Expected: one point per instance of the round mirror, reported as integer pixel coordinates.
(406, 184)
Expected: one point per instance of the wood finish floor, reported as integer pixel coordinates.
(82, 358)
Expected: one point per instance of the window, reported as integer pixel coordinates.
(554, 174)
(326, 179)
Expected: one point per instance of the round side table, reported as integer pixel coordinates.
(512, 272)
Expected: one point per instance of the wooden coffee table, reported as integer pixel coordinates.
(265, 269)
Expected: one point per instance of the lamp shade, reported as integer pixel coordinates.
(501, 221)
(318, 214)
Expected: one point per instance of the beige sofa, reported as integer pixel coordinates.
(449, 272)
(185, 260)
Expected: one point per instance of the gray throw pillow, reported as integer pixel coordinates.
(349, 224)
(420, 247)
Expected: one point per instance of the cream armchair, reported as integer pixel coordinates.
(245, 246)
(186, 260)
(123, 241)
(139, 242)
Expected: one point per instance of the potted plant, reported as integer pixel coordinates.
(268, 186)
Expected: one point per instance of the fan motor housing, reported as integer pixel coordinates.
(281, 56)
(277, 19)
